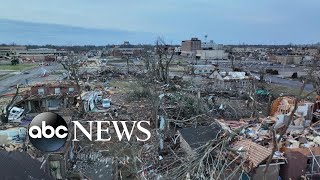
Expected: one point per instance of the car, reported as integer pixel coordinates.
(15, 113)
(106, 103)
(26, 72)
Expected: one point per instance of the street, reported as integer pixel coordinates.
(34, 75)
(287, 82)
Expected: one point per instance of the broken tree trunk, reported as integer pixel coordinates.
(5, 116)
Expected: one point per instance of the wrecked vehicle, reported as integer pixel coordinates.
(15, 113)
(17, 134)
(106, 103)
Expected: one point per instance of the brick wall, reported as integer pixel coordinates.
(51, 89)
(191, 45)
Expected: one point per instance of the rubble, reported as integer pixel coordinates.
(202, 128)
(254, 154)
(94, 165)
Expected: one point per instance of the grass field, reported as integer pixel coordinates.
(122, 86)
(19, 67)
(277, 89)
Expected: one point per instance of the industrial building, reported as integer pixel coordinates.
(189, 47)
(10, 50)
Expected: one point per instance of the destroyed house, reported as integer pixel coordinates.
(300, 145)
(256, 157)
(281, 108)
(232, 81)
(51, 97)
(301, 162)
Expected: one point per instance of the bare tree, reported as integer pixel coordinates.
(72, 66)
(5, 115)
(231, 56)
(146, 58)
(126, 57)
(165, 55)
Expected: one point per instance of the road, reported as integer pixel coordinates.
(287, 82)
(275, 80)
(283, 69)
(34, 75)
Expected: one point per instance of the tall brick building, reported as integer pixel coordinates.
(189, 47)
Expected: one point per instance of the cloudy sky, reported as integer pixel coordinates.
(224, 21)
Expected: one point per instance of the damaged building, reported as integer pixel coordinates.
(50, 96)
(231, 81)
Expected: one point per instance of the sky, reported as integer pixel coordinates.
(224, 21)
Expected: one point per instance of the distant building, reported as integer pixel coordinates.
(312, 51)
(10, 50)
(127, 49)
(213, 54)
(190, 47)
(286, 59)
(211, 45)
(306, 50)
(245, 49)
(39, 54)
(46, 51)
(177, 50)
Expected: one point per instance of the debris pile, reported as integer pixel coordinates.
(93, 164)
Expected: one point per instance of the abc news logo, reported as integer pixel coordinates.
(48, 131)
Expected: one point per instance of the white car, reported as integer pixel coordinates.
(106, 103)
(15, 113)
